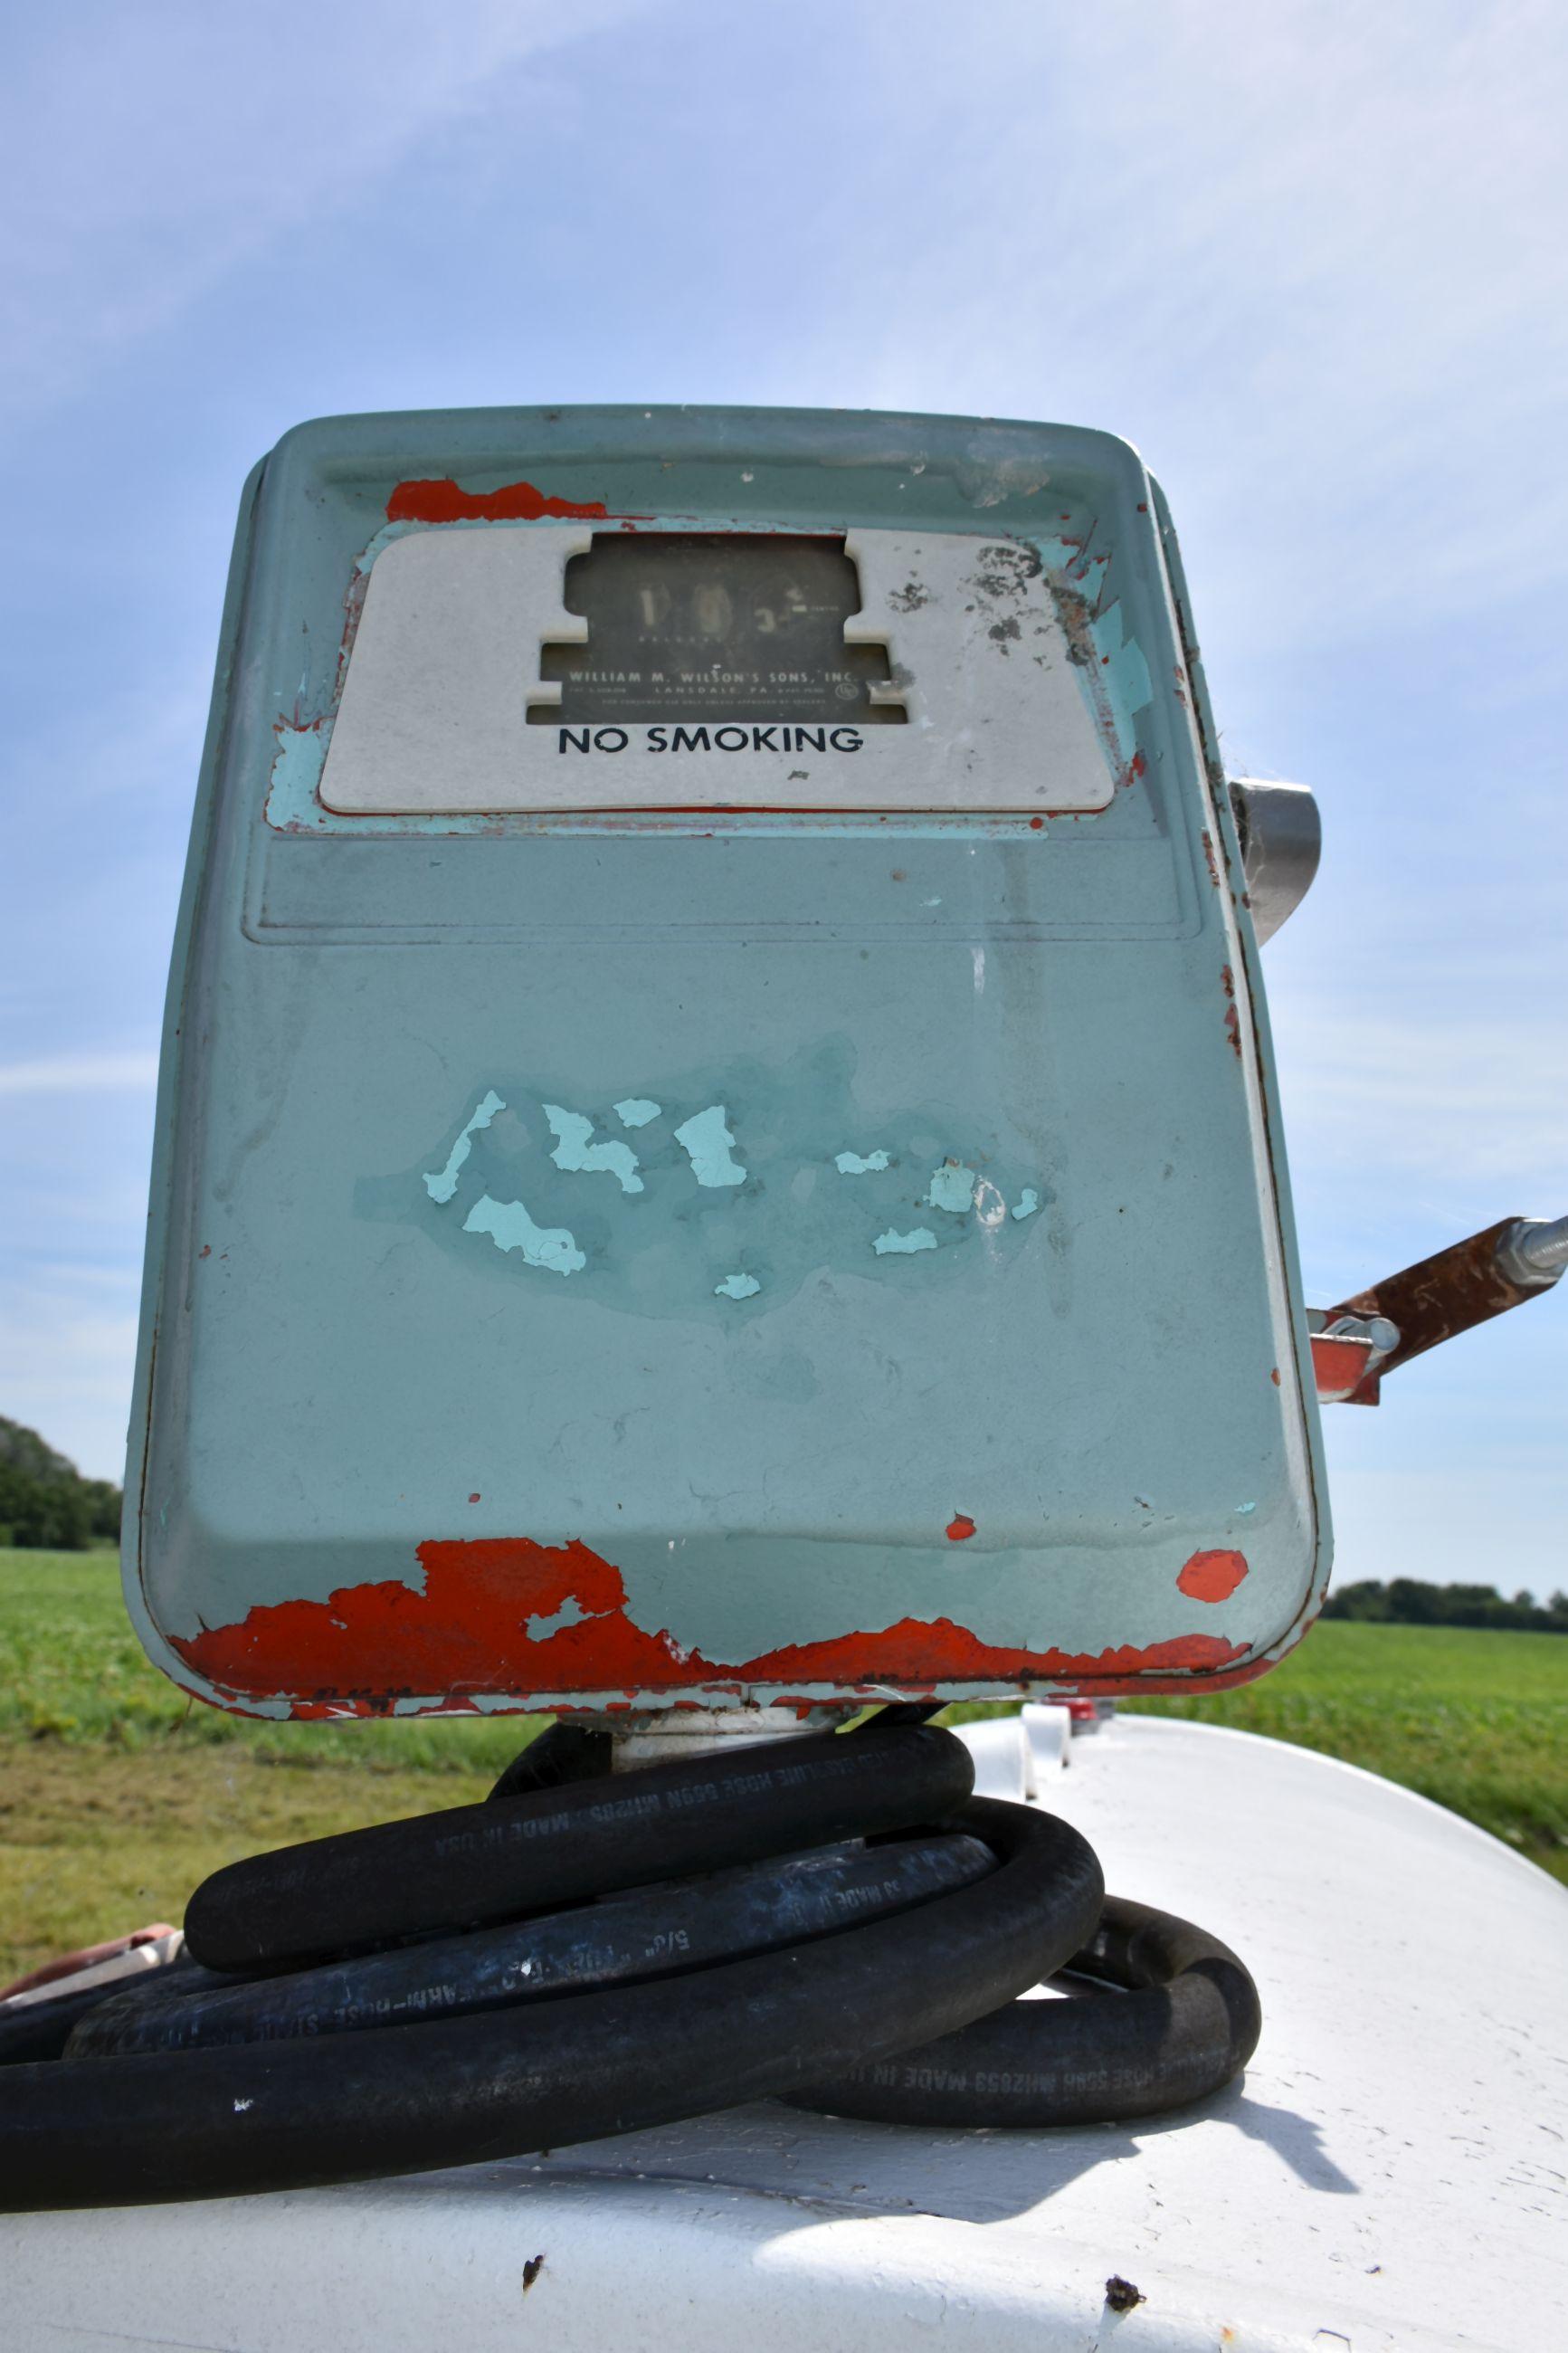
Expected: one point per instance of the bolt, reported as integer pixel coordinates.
(1534, 1251)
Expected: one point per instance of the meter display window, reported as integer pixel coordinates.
(693, 625)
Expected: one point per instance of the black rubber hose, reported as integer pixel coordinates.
(491, 1862)
(40, 2029)
(1181, 2020)
(622, 1940)
(874, 1980)
(344, 2107)
(562, 1752)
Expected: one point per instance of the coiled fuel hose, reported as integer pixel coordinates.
(834, 1919)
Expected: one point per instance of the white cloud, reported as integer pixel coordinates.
(147, 151)
(1313, 256)
(76, 1074)
(1486, 1524)
(1459, 1104)
(91, 1278)
(65, 1370)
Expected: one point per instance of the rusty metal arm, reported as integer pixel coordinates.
(1377, 1330)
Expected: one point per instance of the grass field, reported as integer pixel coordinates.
(117, 1794)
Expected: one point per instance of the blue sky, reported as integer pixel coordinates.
(1311, 258)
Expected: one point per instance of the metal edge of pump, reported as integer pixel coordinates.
(154, 1304)
(1224, 811)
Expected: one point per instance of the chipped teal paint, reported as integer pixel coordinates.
(1125, 675)
(990, 1208)
(573, 1151)
(852, 1164)
(383, 539)
(442, 1183)
(297, 764)
(637, 1111)
(891, 1244)
(951, 1188)
(293, 793)
(1123, 679)
(667, 1252)
(541, 1627)
(1027, 1202)
(737, 1286)
(710, 1146)
(510, 1227)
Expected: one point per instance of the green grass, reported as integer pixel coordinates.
(71, 1670)
(118, 1793)
(1477, 1721)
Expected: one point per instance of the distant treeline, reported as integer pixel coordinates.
(45, 1501)
(1406, 1601)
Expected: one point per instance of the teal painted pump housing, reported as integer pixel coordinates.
(718, 1140)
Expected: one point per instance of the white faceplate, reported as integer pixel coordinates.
(434, 717)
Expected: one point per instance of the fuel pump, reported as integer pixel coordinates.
(719, 1166)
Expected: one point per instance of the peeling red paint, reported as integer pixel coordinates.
(1212, 1576)
(473, 1499)
(467, 1631)
(206, 1250)
(1338, 1367)
(1210, 859)
(1036, 823)
(1232, 1030)
(444, 502)
(960, 1528)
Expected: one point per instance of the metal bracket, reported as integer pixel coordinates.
(1383, 1327)
(1280, 834)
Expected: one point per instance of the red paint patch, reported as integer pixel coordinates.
(1212, 1576)
(1274, 1376)
(960, 1528)
(473, 1499)
(444, 502)
(1339, 1367)
(206, 1250)
(469, 1631)
(1232, 1030)
(1036, 823)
